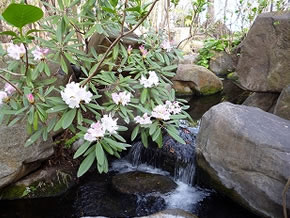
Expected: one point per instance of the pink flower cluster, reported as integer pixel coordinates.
(16, 51)
(8, 91)
(161, 112)
(151, 81)
(166, 45)
(100, 128)
(143, 51)
(121, 98)
(39, 53)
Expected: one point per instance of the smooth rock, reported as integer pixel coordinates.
(245, 153)
(264, 61)
(264, 101)
(171, 213)
(221, 64)
(282, 108)
(142, 183)
(16, 161)
(189, 59)
(197, 78)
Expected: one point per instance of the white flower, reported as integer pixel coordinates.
(161, 112)
(121, 98)
(39, 53)
(95, 131)
(166, 45)
(9, 89)
(145, 119)
(173, 107)
(152, 80)
(109, 124)
(73, 94)
(3, 97)
(15, 51)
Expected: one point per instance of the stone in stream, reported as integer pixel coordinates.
(264, 56)
(171, 213)
(282, 108)
(142, 183)
(191, 78)
(264, 101)
(245, 154)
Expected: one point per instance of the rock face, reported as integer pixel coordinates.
(196, 78)
(264, 62)
(221, 64)
(282, 108)
(264, 101)
(245, 152)
(142, 183)
(16, 160)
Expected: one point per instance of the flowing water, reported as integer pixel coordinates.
(94, 196)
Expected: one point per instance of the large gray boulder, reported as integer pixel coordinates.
(197, 79)
(16, 161)
(245, 153)
(264, 101)
(264, 61)
(282, 108)
(222, 64)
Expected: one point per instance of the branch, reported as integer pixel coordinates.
(124, 18)
(14, 74)
(14, 86)
(26, 55)
(118, 39)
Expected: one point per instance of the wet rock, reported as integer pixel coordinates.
(244, 152)
(264, 101)
(264, 61)
(234, 93)
(171, 213)
(282, 108)
(196, 78)
(16, 161)
(221, 64)
(142, 183)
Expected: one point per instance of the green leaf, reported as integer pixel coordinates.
(175, 136)
(82, 149)
(144, 95)
(57, 108)
(33, 138)
(20, 15)
(156, 134)
(63, 65)
(9, 33)
(100, 155)
(153, 128)
(86, 164)
(135, 132)
(144, 139)
(116, 144)
(170, 68)
(68, 118)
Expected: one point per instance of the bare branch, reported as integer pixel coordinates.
(14, 86)
(14, 74)
(117, 40)
(26, 55)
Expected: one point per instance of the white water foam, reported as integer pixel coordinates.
(184, 197)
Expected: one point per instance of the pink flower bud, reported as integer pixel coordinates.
(30, 98)
(143, 51)
(129, 49)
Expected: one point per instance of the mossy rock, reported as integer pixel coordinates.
(43, 183)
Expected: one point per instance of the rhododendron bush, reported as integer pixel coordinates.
(105, 92)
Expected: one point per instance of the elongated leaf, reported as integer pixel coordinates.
(86, 164)
(100, 155)
(33, 138)
(144, 139)
(9, 33)
(153, 127)
(135, 132)
(144, 95)
(20, 15)
(68, 118)
(176, 137)
(82, 149)
(57, 108)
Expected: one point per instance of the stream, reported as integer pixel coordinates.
(94, 195)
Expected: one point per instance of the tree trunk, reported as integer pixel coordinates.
(210, 13)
